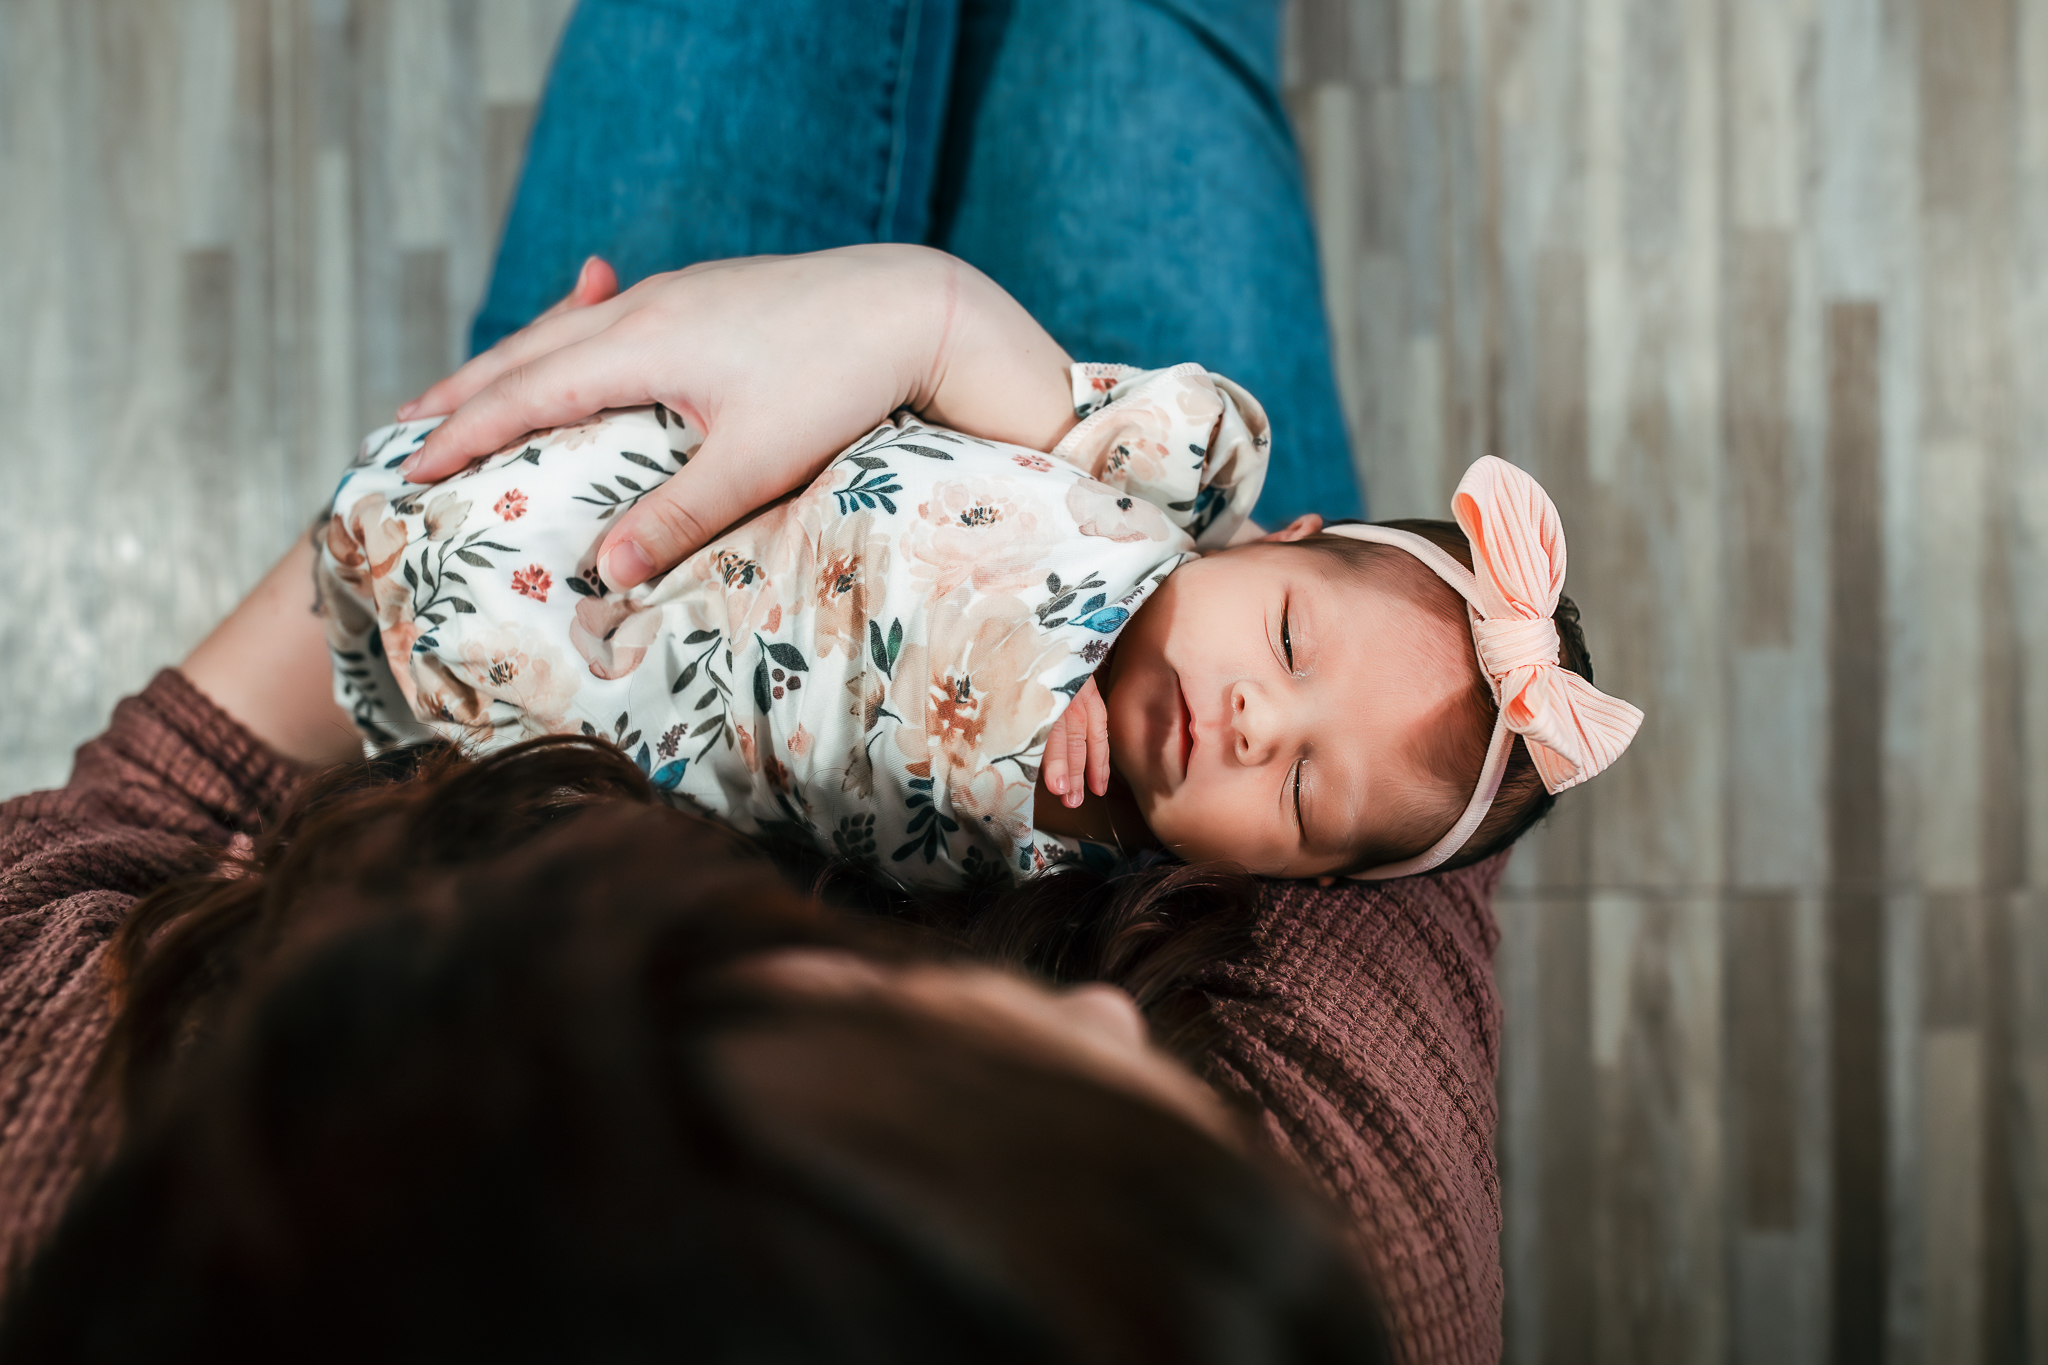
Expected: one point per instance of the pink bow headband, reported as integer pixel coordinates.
(1572, 728)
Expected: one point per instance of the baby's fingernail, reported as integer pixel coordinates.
(625, 565)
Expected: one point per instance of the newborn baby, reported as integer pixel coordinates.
(878, 663)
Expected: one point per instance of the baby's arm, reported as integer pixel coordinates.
(1079, 743)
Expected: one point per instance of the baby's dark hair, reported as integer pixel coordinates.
(1453, 755)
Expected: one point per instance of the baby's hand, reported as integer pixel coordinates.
(1078, 744)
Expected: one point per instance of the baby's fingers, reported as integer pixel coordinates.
(1054, 760)
(1076, 761)
(1096, 719)
(1077, 749)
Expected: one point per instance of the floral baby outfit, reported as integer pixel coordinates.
(873, 664)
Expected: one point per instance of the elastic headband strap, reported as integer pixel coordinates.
(1490, 773)
(1572, 729)
(1428, 551)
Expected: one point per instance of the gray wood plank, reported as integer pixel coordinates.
(1764, 1060)
(1757, 426)
(1859, 1154)
(1659, 1224)
(242, 246)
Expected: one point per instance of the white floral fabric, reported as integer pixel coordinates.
(873, 664)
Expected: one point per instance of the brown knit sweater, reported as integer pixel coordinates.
(1364, 1023)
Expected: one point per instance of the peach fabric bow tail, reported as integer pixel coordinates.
(1573, 730)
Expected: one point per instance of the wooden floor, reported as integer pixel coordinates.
(1758, 287)
(235, 234)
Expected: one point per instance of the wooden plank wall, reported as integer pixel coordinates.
(1757, 288)
(236, 234)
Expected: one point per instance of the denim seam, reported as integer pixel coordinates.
(899, 125)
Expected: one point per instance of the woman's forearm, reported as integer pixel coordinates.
(267, 666)
(967, 355)
(994, 372)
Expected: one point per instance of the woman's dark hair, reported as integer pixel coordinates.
(455, 1063)
(1456, 754)
(1156, 930)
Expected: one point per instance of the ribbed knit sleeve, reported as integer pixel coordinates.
(171, 770)
(1365, 1028)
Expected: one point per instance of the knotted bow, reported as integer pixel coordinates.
(1572, 728)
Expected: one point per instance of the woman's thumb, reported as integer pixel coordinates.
(681, 516)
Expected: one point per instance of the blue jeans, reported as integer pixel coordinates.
(1123, 167)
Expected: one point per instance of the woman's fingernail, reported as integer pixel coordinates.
(407, 465)
(625, 565)
(406, 410)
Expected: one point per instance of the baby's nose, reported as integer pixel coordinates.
(1252, 718)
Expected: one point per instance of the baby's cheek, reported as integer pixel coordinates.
(1202, 823)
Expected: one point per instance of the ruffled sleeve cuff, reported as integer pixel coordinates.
(1192, 443)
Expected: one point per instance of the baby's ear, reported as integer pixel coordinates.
(1307, 524)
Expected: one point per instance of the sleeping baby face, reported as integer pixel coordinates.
(1269, 707)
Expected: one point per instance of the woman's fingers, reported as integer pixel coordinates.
(727, 478)
(566, 384)
(595, 283)
(532, 343)
(594, 305)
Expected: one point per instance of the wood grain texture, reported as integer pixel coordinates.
(1762, 1034)
(1759, 288)
(240, 231)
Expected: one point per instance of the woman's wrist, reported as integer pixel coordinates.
(987, 368)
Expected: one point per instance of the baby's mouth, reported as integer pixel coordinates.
(1187, 727)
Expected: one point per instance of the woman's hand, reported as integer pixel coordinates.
(781, 361)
